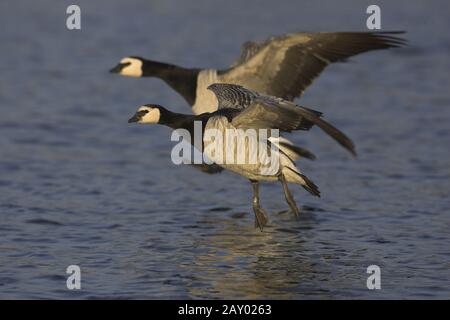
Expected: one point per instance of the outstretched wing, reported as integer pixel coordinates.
(273, 113)
(284, 66)
(232, 96)
(260, 112)
(267, 112)
(248, 50)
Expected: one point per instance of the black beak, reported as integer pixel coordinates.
(134, 118)
(117, 68)
(137, 116)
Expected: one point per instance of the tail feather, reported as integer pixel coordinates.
(310, 186)
(294, 176)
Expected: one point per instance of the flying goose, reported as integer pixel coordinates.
(242, 109)
(282, 66)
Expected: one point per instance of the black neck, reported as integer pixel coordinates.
(182, 121)
(182, 80)
(175, 120)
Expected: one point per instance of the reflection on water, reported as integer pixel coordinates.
(277, 265)
(78, 185)
(237, 245)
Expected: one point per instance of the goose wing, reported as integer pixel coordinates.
(285, 66)
(248, 50)
(274, 113)
(232, 96)
(252, 110)
(266, 113)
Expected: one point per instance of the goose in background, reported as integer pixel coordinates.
(239, 108)
(282, 66)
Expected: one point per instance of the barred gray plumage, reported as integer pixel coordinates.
(261, 111)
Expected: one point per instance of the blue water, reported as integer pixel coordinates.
(79, 185)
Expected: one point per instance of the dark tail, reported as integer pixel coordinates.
(310, 186)
(296, 177)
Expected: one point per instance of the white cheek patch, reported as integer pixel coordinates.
(152, 116)
(134, 69)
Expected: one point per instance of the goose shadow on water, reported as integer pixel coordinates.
(242, 262)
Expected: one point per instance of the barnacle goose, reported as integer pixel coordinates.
(282, 66)
(242, 109)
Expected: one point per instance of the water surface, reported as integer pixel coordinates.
(79, 185)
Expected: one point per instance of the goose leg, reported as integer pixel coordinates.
(260, 215)
(287, 194)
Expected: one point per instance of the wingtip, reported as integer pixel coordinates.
(392, 32)
(389, 39)
(352, 150)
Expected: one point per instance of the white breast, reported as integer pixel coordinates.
(205, 100)
(243, 156)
